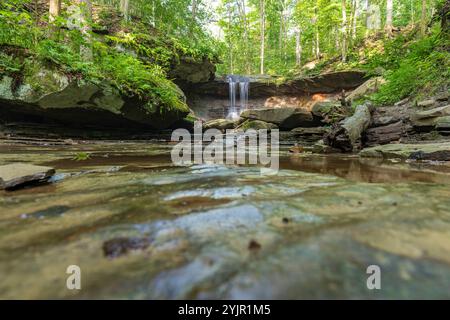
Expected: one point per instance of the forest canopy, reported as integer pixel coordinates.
(404, 40)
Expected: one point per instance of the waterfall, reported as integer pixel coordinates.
(243, 83)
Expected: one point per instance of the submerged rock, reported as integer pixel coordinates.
(117, 247)
(18, 174)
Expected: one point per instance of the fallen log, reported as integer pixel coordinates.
(346, 135)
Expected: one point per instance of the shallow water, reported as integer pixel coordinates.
(140, 227)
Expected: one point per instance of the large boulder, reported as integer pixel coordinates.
(46, 93)
(257, 125)
(284, 118)
(221, 124)
(192, 71)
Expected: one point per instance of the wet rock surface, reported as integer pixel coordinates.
(147, 229)
(19, 174)
(423, 151)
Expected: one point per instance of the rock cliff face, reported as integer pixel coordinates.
(211, 99)
(50, 96)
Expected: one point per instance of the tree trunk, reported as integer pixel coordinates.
(54, 10)
(389, 8)
(347, 134)
(125, 9)
(444, 17)
(344, 32)
(298, 48)
(263, 27)
(193, 16)
(355, 19)
(423, 19)
(241, 5)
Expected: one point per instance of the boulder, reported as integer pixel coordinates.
(257, 125)
(193, 71)
(443, 124)
(221, 124)
(284, 118)
(425, 151)
(48, 94)
(18, 174)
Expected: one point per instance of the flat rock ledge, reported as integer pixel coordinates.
(19, 174)
(425, 151)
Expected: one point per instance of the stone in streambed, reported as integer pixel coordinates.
(425, 151)
(119, 246)
(18, 174)
(220, 124)
(284, 118)
(257, 125)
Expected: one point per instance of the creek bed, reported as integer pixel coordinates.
(140, 227)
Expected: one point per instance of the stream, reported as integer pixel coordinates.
(140, 227)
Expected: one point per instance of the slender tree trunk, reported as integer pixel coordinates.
(241, 5)
(54, 9)
(194, 5)
(366, 10)
(389, 8)
(230, 49)
(263, 36)
(412, 19)
(125, 9)
(355, 18)
(298, 47)
(423, 19)
(344, 32)
(316, 19)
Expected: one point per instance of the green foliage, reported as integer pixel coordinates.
(417, 68)
(81, 156)
(145, 79)
(9, 64)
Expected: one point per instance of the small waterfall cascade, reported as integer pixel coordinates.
(237, 84)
